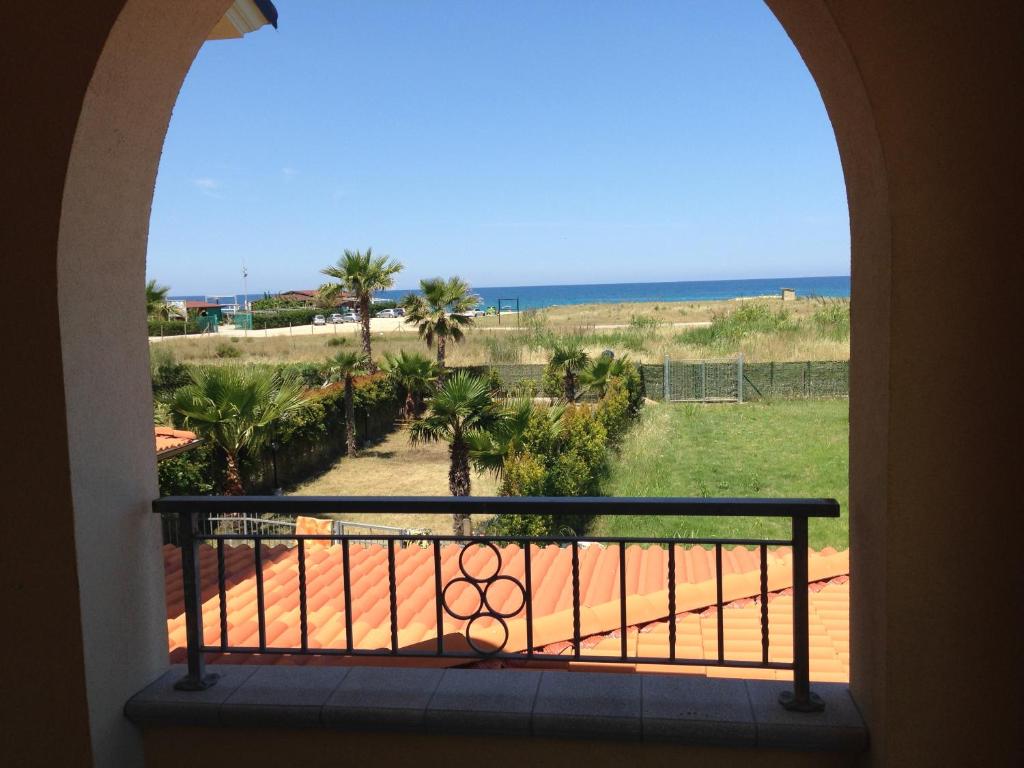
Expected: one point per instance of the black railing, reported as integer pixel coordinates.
(192, 512)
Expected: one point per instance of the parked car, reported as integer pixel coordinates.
(399, 312)
(319, 320)
(335, 318)
(350, 317)
(387, 313)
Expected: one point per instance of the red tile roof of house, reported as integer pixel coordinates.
(646, 590)
(173, 441)
(192, 304)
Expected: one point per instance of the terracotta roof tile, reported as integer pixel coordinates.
(170, 441)
(646, 600)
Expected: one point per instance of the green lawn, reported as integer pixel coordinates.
(781, 449)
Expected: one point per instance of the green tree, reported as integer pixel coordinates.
(156, 300)
(439, 313)
(344, 366)
(494, 449)
(462, 407)
(361, 274)
(569, 358)
(235, 408)
(414, 374)
(596, 376)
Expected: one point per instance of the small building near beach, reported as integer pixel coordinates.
(789, 294)
(311, 298)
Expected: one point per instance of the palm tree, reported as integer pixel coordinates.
(361, 274)
(414, 374)
(461, 407)
(344, 366)
(489, 449)
(439, 314)
(601, 371)
(236, 407)
(156, 299)
(570, 358)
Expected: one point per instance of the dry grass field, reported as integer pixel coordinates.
(645, 331)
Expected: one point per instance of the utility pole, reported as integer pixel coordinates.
(245, 287)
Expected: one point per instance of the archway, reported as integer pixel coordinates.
(101, 250)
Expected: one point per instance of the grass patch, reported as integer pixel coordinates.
(780, 449)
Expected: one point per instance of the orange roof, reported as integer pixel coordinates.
(173, 441)
(646, 600)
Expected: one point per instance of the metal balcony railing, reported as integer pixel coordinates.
(194, 514)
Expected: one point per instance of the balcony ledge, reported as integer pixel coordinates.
(683, 709)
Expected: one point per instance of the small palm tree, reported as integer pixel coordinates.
(439, 313)
(156, 300)
(345, 366)
(570, 358)
(361, 274)
(462, 407)
(415, 375)
(236, 407)
(597, 376)
(489, 449)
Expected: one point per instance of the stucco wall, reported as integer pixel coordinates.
(920, 94)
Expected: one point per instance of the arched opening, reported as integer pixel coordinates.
(106, 201)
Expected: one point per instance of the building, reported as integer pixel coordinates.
(789, 294)
(921, 99)
(311, 298)
(172, 442)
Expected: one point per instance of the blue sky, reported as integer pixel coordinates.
(520, 143)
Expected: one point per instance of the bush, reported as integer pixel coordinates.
(337, 341)
(225, 351)
(196, 472)
(727, 330)
(614, 411)
(832, 320)
(282, 318)
(173, 327)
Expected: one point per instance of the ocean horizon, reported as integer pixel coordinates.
(541, 296)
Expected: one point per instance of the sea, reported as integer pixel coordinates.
(539, 296)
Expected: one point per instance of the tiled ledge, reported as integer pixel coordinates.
(686, 709)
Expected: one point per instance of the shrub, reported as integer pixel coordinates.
(337, 341)
(193, 473)
(614, 411)
(225, 351)
(727, 330)
(832, 320)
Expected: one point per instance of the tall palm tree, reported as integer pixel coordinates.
(236, 407)
(462, 407)
(489, 449)
(439, 313)
(156, 299)
(570, 358)
(344, 366)
(361, 274)
(601, 371)
(413, 374)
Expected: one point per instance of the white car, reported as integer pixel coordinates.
(350, 317)
(335, 318)
(319, 320)
(387, 313)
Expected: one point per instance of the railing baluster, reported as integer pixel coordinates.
(672, 601)
(622, 599)
(198, 678)
(393, 596)
(261, 614)
(576, 598)
(303, 617)
(346, 572)
(718, 602)
(222, 595)
(800, 698)
(437, 597)
(527, 546)
(764, 603)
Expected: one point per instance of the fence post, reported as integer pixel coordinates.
(667, 382)
(800, 699)
(739, 378)
(197, 678)
(703, 381)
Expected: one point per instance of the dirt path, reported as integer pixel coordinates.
(394, 467)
